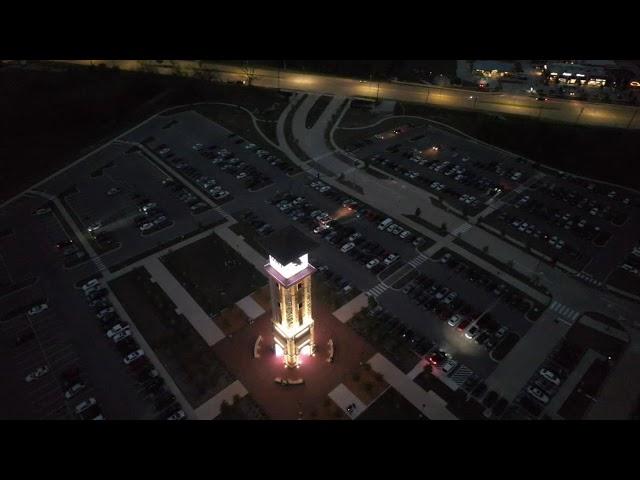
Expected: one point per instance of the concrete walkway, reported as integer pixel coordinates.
(184, 302)
(343, 397)
(211, 408)
(349, 309)
(429, 403)
(250, 307)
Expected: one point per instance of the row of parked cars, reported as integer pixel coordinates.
(186, 196)
(419, 344)
(250, 176)
(212, 189)
(507, 294)
(151, 218)
(119, 332)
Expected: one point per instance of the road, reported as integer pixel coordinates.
(566, 111)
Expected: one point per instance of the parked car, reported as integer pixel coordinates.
(550, 376)
(74, 390)
(538, 394)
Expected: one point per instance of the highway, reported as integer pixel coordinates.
(566, 111)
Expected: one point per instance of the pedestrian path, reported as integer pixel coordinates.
(565, 311)
(586, 278)
(99, 263)
(461, 374)
(417, 261)
(465, 227)
(378, 290)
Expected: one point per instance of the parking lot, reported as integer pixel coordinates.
(463, 174)
(60, 357)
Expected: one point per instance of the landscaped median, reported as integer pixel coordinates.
(189, 360)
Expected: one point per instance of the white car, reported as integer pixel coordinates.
(241, 175)
(121, 335)
(549, 375)
(179, 415)
(390, 259)
(347, 246)
(90, 284)
(392, 227)
(81, 407)
(37, 373)
(538, 394)
(133, 356)
(372, 263)
(472, 332)
(405, 234)
(105, 311)
(454, 320)
(74, 390)
(116, 329)
(146, 226)
(324, 189)
(37, 309)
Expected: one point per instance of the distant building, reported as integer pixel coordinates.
(493, 68)
(577, 74)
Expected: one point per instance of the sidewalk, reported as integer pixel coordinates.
(184, 302)
(343, 397)
(349, 309)
(429, 403)
(211, 408)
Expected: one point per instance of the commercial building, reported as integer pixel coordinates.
(493, 68)
(577, 74)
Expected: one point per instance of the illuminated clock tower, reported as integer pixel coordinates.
(290, 273)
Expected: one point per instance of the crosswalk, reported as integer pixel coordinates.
(417, 261)
(461, 374)
(465, 227)
(585, 277)
(99, 263)
(564, 311)
(378, 290)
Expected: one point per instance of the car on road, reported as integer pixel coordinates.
(133, 356)
(42, 211)
(538, 394)
(81, 407)
(37, 373)
(36, 309)
(473, 332)
(550, 376)
(74, 390)
(94, 227)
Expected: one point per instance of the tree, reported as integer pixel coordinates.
(418, 212)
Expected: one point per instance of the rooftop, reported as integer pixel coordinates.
(287, 245)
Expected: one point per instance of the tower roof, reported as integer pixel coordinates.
(287, 245)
